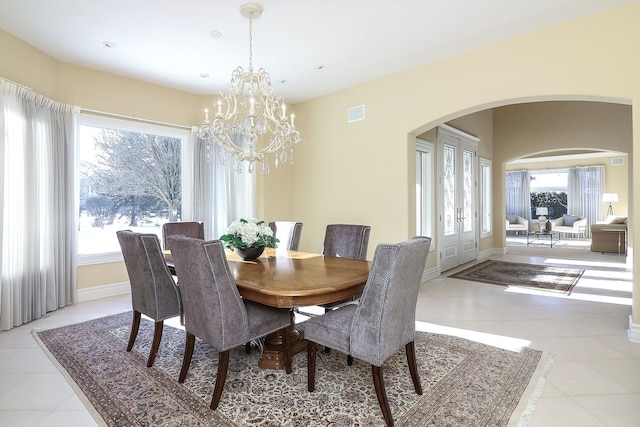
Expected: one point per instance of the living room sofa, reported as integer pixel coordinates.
(610, 235)
(570, 224)
(516, 223)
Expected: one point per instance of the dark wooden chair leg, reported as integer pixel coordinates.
(349, 360)
(286, 341)
(155, 345)
(186, 358)
(311, 365)
(413, 366)
(223, 364)
(381, 393)
(135, 325)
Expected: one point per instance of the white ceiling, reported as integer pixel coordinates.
(167, 42)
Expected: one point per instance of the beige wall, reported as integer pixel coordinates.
(363, 172)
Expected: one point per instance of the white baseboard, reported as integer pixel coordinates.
(633, 331)
(97, 292)
(482, 255)
(430, 274)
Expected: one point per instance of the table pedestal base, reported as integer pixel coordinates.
(273, 353)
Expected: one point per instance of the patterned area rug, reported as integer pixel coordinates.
(465, 383)
(541, 277)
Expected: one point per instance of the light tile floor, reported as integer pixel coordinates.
(594, 380)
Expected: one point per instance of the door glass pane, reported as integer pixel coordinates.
(467, 204)
(449, 190)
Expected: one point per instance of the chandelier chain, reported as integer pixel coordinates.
(251, 43)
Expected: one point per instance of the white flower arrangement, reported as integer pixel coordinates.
(248, 233)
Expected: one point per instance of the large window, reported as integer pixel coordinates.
(130, 177)
(548, 188)
(425, 195)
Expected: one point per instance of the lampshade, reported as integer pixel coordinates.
(541, 211)
(609, 197)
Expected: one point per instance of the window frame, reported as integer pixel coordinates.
(486, 199)
(141, 126)
(425, 189)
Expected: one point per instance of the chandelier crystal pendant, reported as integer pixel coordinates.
(249, 121)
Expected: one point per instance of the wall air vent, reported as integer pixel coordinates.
(617, 161)
(355, 113)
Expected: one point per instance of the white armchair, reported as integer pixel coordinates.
(516, 223)
(570, 224)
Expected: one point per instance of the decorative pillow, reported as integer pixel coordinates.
(512, 218)
(568, 220)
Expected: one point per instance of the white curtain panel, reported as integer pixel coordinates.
(517, 193)
(222, 195)
(37, 205)
(584, 194)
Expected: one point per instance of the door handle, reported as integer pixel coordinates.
(459, 217)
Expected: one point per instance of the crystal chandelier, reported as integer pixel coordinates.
(249, 121)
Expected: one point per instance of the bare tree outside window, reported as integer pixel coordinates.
(128, 180)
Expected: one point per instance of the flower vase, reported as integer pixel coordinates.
(250, 253)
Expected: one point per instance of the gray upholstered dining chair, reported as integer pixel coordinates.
(214, 310)
(382, 322)
(154, 293)
(346, 240)
(193, 229)
(288, 233)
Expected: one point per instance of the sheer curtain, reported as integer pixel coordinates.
(584, 194)
(221, 195)
(517, 196)
(37, 206)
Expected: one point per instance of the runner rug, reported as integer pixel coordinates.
(464, 383)
(540, 277)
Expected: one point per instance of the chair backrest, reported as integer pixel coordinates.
(385, 319)
(213, 308)
(346, 241)
(153, 291)
(193, 229)
(288, 233)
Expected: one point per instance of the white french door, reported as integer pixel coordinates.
(458, 197)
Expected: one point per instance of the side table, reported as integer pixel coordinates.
(622, 238)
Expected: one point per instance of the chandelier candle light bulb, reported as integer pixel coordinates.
(254, 124)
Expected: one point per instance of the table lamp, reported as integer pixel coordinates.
(610, 197)
(542, 213)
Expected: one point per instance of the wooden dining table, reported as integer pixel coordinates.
(288, 279)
